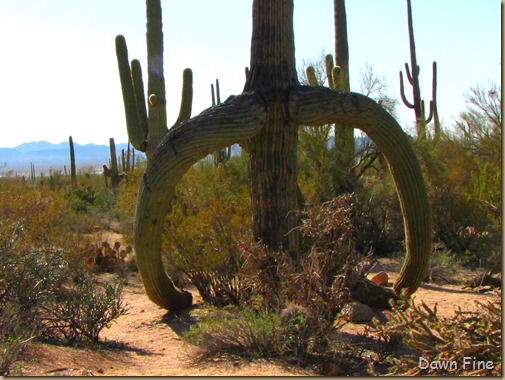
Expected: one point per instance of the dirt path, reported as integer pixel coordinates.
(146, 342)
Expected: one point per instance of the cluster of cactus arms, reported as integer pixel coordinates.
(221, 156)
(148, 127)
(265, 118)
(127, 159)
(73, 174)
(339, 79)
(413, 77)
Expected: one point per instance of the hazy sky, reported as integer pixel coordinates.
(58, 68)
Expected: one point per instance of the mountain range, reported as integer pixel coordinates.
(46, 156)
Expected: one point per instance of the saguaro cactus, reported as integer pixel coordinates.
(73, 175)
(338, 79)
(147, 128)
(112, 173)
(265, 117)
(413, 77)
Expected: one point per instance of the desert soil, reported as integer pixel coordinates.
(147, 341)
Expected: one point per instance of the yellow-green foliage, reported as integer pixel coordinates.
(34, 215)
(210, 216)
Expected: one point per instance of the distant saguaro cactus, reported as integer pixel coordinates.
(147, 128)
(222, 155)
(73, 175)
(338, 79)
(112, 173)
(413, 77)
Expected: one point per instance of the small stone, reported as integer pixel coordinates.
(334, 370)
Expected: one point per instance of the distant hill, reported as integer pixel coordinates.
(45, 156)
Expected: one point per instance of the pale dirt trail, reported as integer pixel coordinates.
(152, 345)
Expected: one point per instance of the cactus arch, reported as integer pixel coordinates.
(265, 119)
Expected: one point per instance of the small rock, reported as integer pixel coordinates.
(357, 312)
(381, 278)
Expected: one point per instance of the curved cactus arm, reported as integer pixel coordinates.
(135, 133)
(187, 97)
(402, 93)
(235, 120)
(319, 106)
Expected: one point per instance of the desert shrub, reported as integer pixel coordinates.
(80, 312)
(210, 215)
(444, 268)
(319, 281)
(245, 333)
(15, 333)
(58, 297)
(472, 334)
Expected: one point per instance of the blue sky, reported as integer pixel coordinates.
(58, 69)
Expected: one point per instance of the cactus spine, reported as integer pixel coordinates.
(413, 77)
(72, 161)
(147, 128)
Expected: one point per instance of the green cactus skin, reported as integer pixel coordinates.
(140, 99)
(113, 172)
(148, 126)
(186, 98)
(319, 106)
(135, 133)
(310, 72)
(245, 118)
(73, 175)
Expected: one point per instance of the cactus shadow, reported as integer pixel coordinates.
(179, 321)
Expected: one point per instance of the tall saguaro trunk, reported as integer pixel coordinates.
(265, 118)
(157, 111)
(344, 136)
(272, 153)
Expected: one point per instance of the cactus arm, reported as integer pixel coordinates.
(212, 95)
(218, 92)
(319, 106)
(402, 92)
(409, 75)
(140, 99)
(328, 62)
(135, 133)
(311, 76)
(187, 97)
(236, 120)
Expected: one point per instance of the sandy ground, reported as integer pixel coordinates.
(146, 341)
